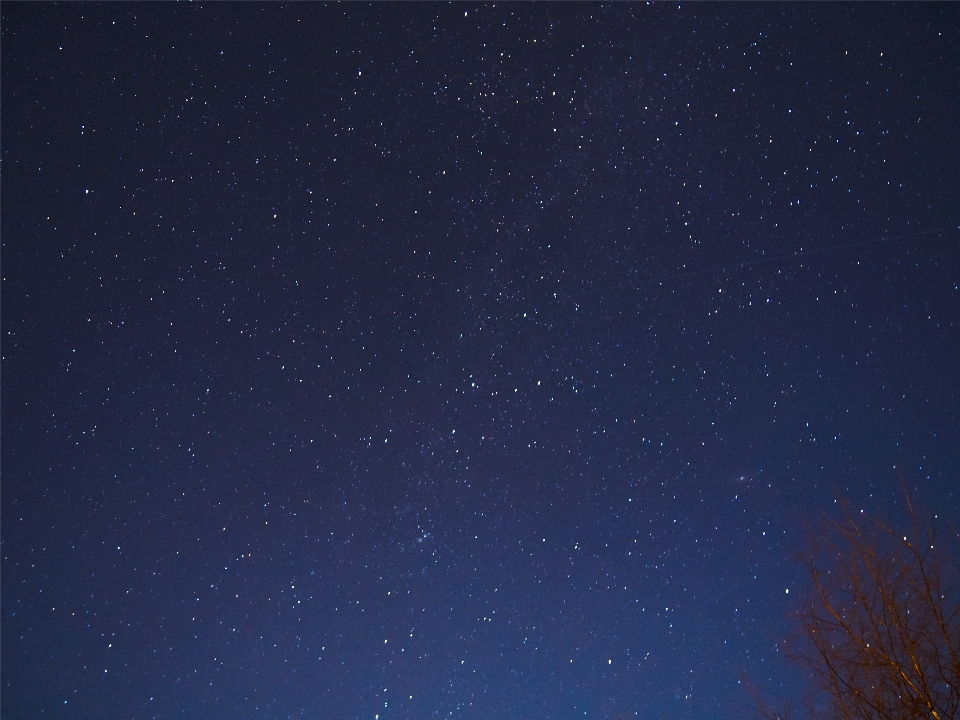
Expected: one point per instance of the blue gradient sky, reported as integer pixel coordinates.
(409, 361)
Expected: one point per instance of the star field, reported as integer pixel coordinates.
(464, 361)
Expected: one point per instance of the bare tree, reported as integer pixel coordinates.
(880, 629)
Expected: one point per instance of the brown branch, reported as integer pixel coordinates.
(881, 627)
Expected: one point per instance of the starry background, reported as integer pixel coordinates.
(405, 361)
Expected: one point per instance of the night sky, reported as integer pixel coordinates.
(482, 362)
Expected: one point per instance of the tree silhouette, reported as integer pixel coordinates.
(880, 629)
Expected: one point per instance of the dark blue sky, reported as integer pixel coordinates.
(412, 361)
